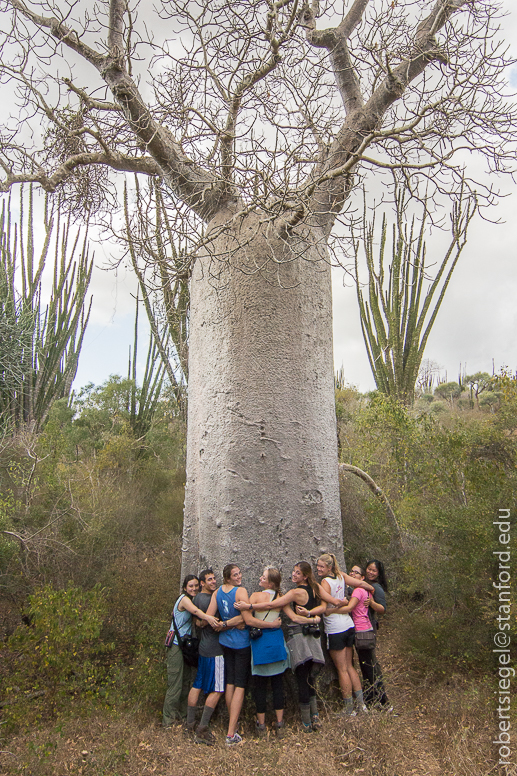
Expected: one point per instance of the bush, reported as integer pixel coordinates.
(52, 654)
(446, 476)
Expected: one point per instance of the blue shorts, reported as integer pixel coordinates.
(210, 674)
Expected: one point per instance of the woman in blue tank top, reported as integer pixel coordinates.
(235, 641)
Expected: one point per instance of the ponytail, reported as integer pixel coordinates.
(330, 560)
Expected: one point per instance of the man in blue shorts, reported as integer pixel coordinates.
(210, 671)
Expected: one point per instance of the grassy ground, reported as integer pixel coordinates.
(441, 726)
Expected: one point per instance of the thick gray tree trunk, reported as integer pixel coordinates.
(262, 462)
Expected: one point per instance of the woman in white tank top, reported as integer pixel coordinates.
(340, 631)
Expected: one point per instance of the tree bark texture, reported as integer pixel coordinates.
(262, 462)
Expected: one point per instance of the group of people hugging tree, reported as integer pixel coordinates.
(241, 635)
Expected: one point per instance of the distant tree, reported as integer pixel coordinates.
(39, 343)
(396, 307)
(428, 374)
(449, 391)
(477, 383)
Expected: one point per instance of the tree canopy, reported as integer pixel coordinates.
(254, 104)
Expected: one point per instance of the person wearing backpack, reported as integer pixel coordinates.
(269, 655)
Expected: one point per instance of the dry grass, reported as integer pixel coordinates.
(441, 728)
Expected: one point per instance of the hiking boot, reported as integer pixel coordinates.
(188, 728)
(204, 736)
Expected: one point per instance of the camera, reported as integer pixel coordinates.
(311, 630)
(255, 633)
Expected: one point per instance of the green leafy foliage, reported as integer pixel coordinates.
(90, 489)
(89, 500)
(51, 653)
(446, 477)
(451, 390)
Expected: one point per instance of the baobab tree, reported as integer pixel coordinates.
(258, 117)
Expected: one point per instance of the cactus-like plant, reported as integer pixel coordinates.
(162, 270)
(397, 314)
(39, 342)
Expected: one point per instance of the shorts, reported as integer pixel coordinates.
(237, 663)
(338, 641)
(210, 674)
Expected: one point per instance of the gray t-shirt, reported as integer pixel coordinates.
(208, 638)
(379, 597)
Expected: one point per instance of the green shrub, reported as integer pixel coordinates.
(53, 653)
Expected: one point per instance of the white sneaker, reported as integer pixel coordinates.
(232, 740)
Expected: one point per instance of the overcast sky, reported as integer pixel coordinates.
(476, 327)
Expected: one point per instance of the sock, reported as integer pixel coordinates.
(359, 698)
(349, 705)
(314, 705)
(305, 713)
(206, 716)
(191, 715)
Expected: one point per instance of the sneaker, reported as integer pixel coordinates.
(232, 740)
(280, 729)
(204, 736)
(260, 729)
(306, 728)
(363, 709)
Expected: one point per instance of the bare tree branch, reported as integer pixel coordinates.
(357, 132)
(228, 83)
(196, 187)
(377, 491)
(336, 43)
(145, 165)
